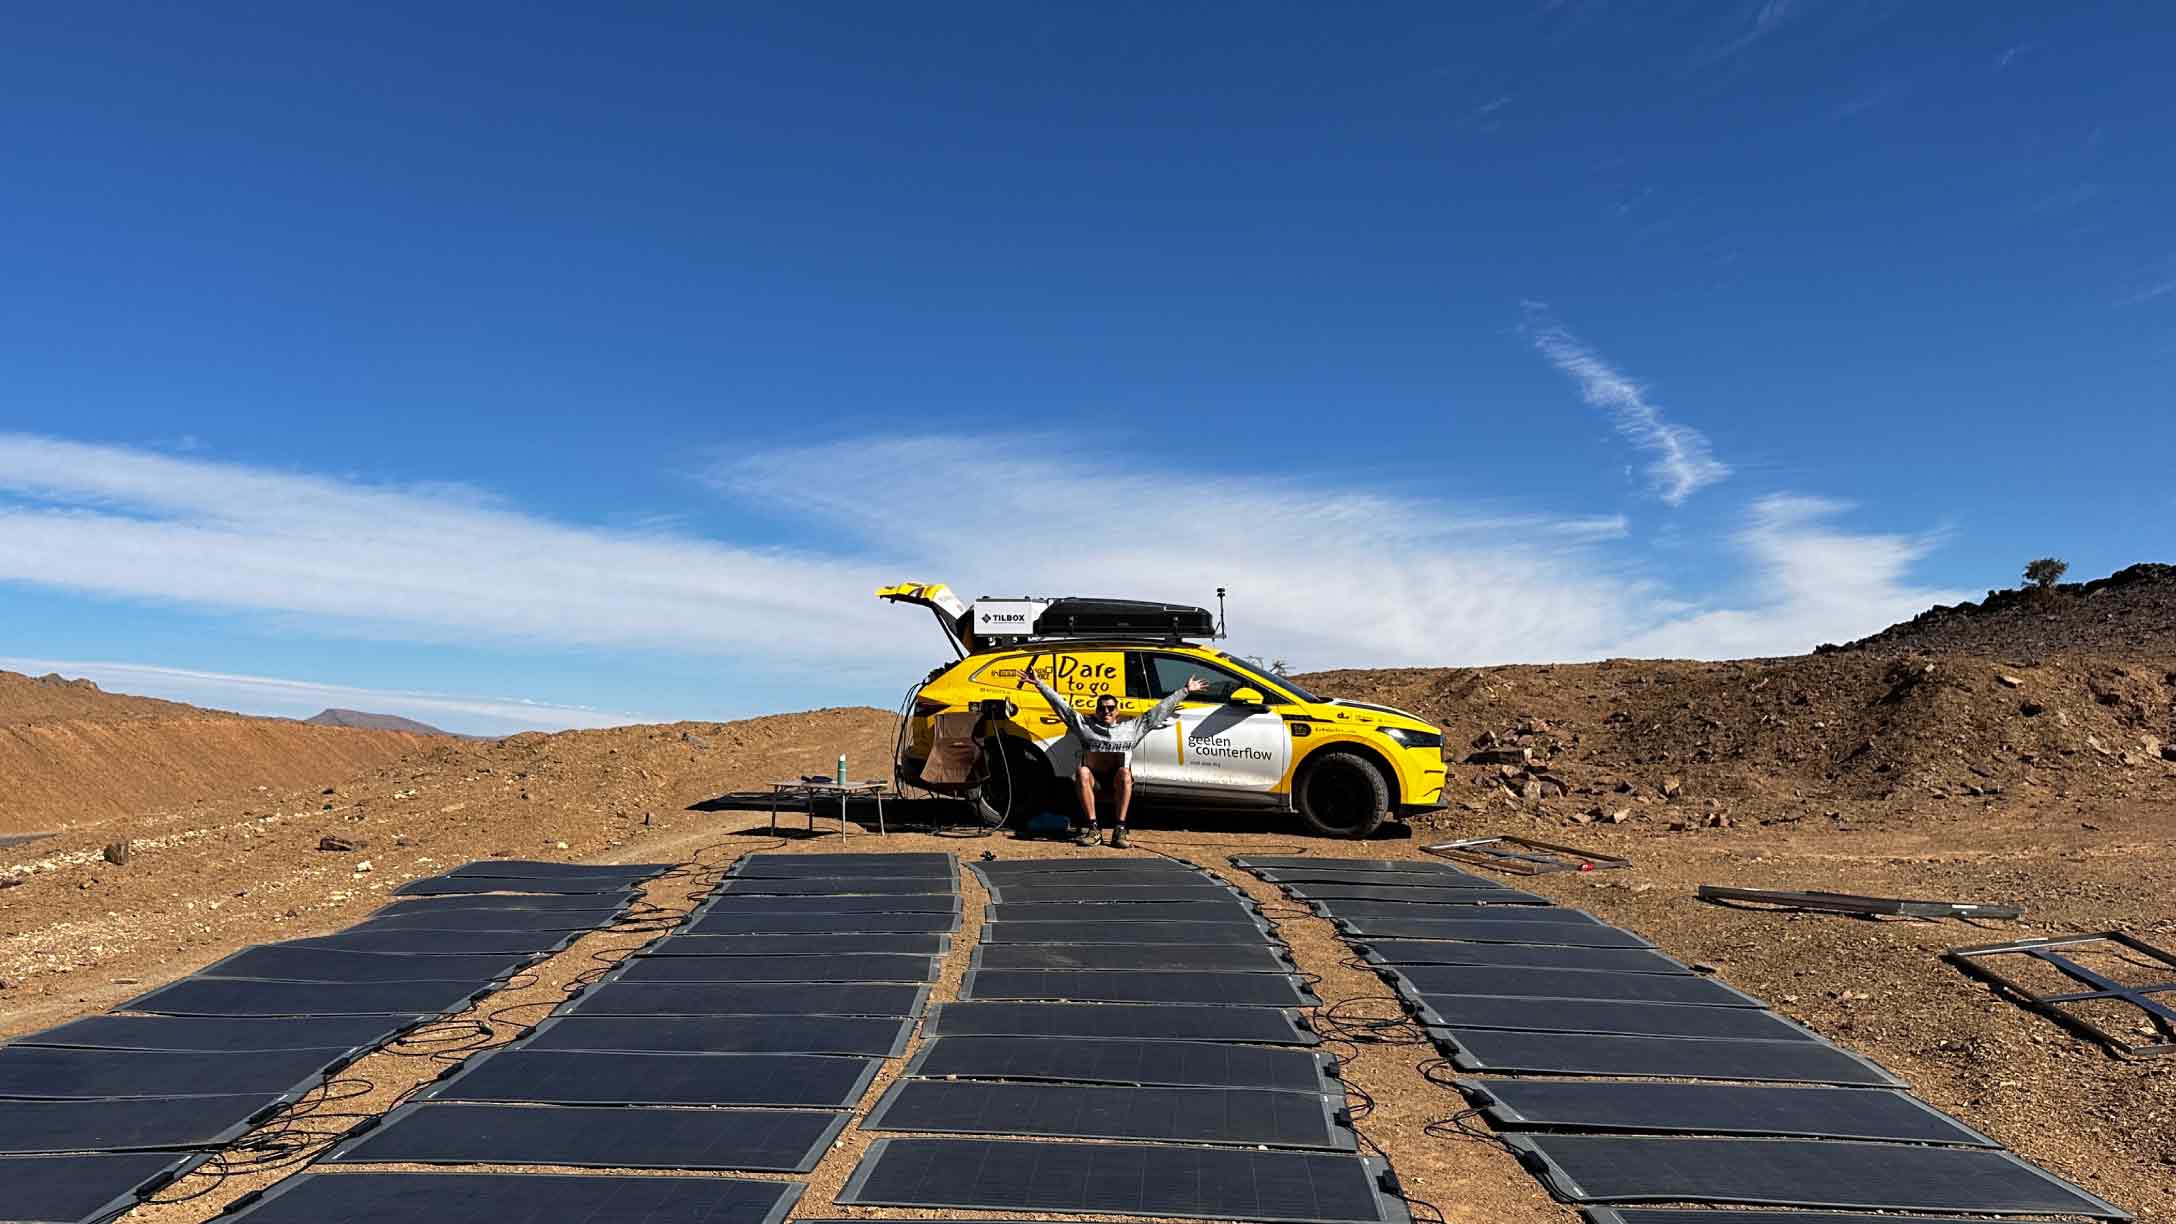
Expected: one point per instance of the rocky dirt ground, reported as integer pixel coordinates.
(1931, 761)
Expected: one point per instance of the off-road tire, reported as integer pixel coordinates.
(1029, 782)
(1341, 794)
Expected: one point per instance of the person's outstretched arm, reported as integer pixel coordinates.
(1161, 712)
(1057, 702)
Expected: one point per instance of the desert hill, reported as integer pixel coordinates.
(364, 720)
(72, 754)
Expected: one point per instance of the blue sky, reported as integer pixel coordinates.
(554, 365)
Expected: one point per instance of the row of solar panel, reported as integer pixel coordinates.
(1545, 990)
(700, 1052)
(1141, 1003)
(105, 1109)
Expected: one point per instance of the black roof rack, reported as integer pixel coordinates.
(1122, 618)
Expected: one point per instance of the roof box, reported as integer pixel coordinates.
(1078, 617)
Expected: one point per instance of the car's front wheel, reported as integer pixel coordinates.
(1342, 794)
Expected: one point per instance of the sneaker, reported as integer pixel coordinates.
(1088, 837)
(1118, 838)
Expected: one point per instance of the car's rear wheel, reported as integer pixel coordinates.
(1018, 786)
(1342, 794)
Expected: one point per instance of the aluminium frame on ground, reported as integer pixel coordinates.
(1856, 904)
(1540, 858)
(2160, 1012)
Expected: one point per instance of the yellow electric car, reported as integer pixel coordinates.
(1251, 739)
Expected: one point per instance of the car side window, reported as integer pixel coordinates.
(1167, 674)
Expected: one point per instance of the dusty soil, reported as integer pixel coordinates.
(74, 756)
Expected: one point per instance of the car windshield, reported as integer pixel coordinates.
(1283, 682)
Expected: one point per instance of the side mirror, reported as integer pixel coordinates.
(1248, 696)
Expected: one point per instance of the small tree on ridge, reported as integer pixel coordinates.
(2045, 572)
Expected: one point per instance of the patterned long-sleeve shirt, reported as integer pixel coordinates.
(1120, 737)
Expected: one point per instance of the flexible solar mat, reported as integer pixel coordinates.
(834, 886)
(1343, 896)
(1605, 1016)
(798, 945)
(912, 903)
(848, 967)
(1123, 1179)
(787, 865)
(1346, 875)
(1716, 1109)
(1433, 980)
(1203, 958)
(1791, 1062)
(1243, 931)
(515, 1198)
(1001, 868)
(870, 1036)
(1029, 893)
(532, 921)
(457, 886)
(535, 904)
(540, 869)
(81, 1189)
(823, 924)
(1228, 910)
(1091, 1111)
(278, 963)
(1168, 1022)
(594, 1137)
(398, 942)
(1487, 905)
(1665, 1215)
(590, 1077)
(1139, 986)
(1491, 926)
(1082, 1060)
(1117, 872)
(224, 1034)
(57, 1072)
(135, 1124)
(1797, 1173)
(249, 997)
(1532, 956)
(762, 999)
(1309, 862)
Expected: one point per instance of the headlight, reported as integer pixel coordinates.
(1413, 739)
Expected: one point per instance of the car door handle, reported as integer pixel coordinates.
(1052, 721)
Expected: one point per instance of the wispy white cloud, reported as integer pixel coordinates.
(302, 698)
(2150, 292)
(1683, 463)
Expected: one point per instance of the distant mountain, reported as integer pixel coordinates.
(375, 722)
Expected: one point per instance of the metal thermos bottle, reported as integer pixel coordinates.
(842, 769)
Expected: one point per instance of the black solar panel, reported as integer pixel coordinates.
(846, 967)
(1006, 868)
(822, 924)
(517, 1198)
(1130, 986)
(1432, 980)
(1605, 1016)
(1493, 926)
(1082, 1060)
(459, 886)
(1803, 1062)
(524, 903)
(1083, 1111)
(541, 869)
(875, 1036)
(1237, 929)
(1310, 862)
(1227, 910)
(1798, 1173)
(1532, 956)
(1344, 875)
(81, 1189)
(31, 1127)
(838, 864)
(835, 886)
(248, 997)
(1167, 1022)
(1716, 1109)
(1704, 1215)
(798, 945)
(281, 963)
(55, 1072)
(918, 903)
(715, 999)
(581, 1077)
(223, 1034)
(1505, 906)
(1122, 1179)
(399, 942)
(1025, 893)
(1203, 958)
(607, 1137)
(480, 919)
(1483, 893)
